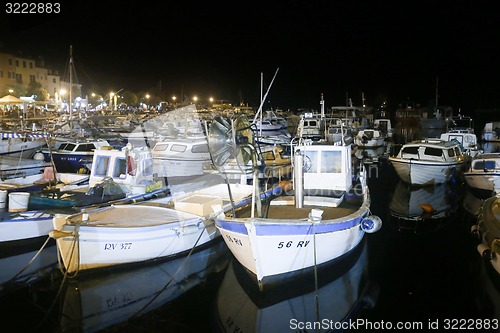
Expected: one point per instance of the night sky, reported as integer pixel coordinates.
(391, 51)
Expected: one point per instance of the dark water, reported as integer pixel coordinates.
(422, 272)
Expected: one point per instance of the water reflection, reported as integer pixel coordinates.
(25, 268)
(490, 147)
(472, 201)
(340, 296)
(422, 209)
(92, 304)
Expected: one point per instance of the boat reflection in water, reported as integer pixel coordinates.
(96, 301)
(472, 202)
(424, 208)
(25, 268)
(341, 295)
(491, 147)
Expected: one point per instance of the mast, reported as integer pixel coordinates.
(70, 90)
(437, 94)
(264, 98)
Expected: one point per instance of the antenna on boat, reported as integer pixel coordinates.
(70, 90)
(259, 111)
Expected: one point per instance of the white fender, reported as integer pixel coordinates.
(371, 224)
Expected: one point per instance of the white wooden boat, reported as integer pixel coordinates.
(180, 157)
(323, 218)
(24, 227)
(93, 303)
(21, 144)
(488, 231)
(340, 297)
(429, 162)
(124, 234)
(484, 172)
(310, 128)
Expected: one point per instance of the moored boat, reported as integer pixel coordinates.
(130, 233)
(484, 172)
(429, 162)
(323, 217)
(72, 155)
(21, 144)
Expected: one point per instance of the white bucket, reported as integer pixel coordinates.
(3, 198)
(18, 201)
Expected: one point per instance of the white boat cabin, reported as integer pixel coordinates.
(431, 150)
(131, 168)
(326, 167)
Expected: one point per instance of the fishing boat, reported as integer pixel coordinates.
(123, 234)
(22, 144)
(72, 155)
(430, 161)
(96, 302)
(487, 230)
(22, 226)
(323, 217)
(484, 173)
(114, 174)
(336, 299)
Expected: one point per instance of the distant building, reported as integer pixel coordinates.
(18, 71)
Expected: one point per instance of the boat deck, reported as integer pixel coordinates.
(290, 212)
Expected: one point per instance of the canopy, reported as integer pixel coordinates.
(9, 99)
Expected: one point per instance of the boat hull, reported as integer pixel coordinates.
(482, 180)
(25, 226)
(129, 234)
(424, 172)
(274, 248)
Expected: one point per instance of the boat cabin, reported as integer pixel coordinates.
(326, 167)
(131, 168)
(431, 150)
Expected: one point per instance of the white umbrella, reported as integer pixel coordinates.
(9, 99)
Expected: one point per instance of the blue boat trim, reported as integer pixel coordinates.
(274, 229)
